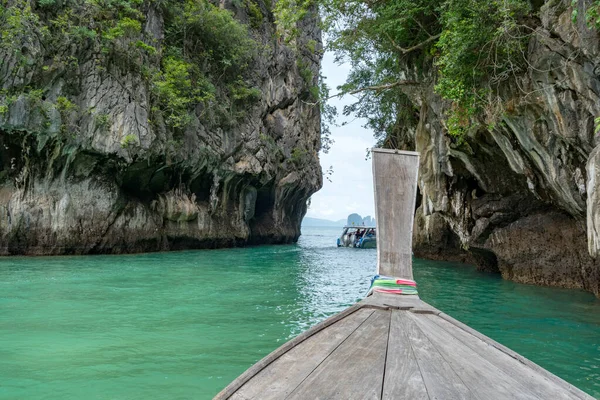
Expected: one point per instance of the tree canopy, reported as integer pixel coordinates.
(464, 48)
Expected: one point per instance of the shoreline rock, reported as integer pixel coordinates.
(519, 197)
(93, 174)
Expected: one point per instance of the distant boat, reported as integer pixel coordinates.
(363, 237)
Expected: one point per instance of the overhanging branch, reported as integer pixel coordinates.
(379, 88)
(404, 50)
(374, 88)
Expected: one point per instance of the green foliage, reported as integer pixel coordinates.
(7, 98)
(299, 156)
(207, 35)
(255, 14)
(46, 3)
(481, 43)
(267, 139)
(126, 27)
(287, 15)
(17, 22)
(592, 16)
(179, 86)
(473, 45)
(35, 95)
(82, 33)
(64, 105)
(305, 73)
(129, 141)
(209, 50)
(68, 112)
(592, 13)
(114, 10)
(311, 46)
(102, 121)
(110, 26)
(200, 68)
(150, 50)
(239, 91)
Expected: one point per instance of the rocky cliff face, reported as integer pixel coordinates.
(521, 197)
(89, 164)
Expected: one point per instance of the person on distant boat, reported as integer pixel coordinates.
(359, 234)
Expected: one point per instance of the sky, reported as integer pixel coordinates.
(351, 186)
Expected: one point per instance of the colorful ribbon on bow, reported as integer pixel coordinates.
(388, 284)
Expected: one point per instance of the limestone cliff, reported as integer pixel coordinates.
(96, 155)
(521, 197)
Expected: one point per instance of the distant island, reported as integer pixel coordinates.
(356, 219)
(353, 219)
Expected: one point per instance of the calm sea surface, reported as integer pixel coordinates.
(183, 325)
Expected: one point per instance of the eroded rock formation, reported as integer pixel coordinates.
(520, 197)
(97, 175)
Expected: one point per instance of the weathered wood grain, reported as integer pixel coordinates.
(282, 376)
(440, 379)
(403, 378)
(540, 381)
(404, 302)
(395, 182)
(355, 369)
(263, 363)
(374, 361)
(485, 379)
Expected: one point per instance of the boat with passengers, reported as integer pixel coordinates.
(363, 237)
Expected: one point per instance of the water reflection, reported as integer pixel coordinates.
(184, 324)
(331, 278)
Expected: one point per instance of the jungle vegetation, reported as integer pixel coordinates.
(203, 58)
(465, 49)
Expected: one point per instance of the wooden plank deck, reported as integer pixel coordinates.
(396, 347)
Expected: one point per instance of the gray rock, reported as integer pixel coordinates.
(100, 177)
(522, 197)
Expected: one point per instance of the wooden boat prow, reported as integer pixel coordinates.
(391, 346)
(396, 347)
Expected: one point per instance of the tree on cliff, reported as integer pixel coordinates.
(474, 45)
(200, 60)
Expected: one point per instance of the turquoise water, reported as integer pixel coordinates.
(183, 325)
